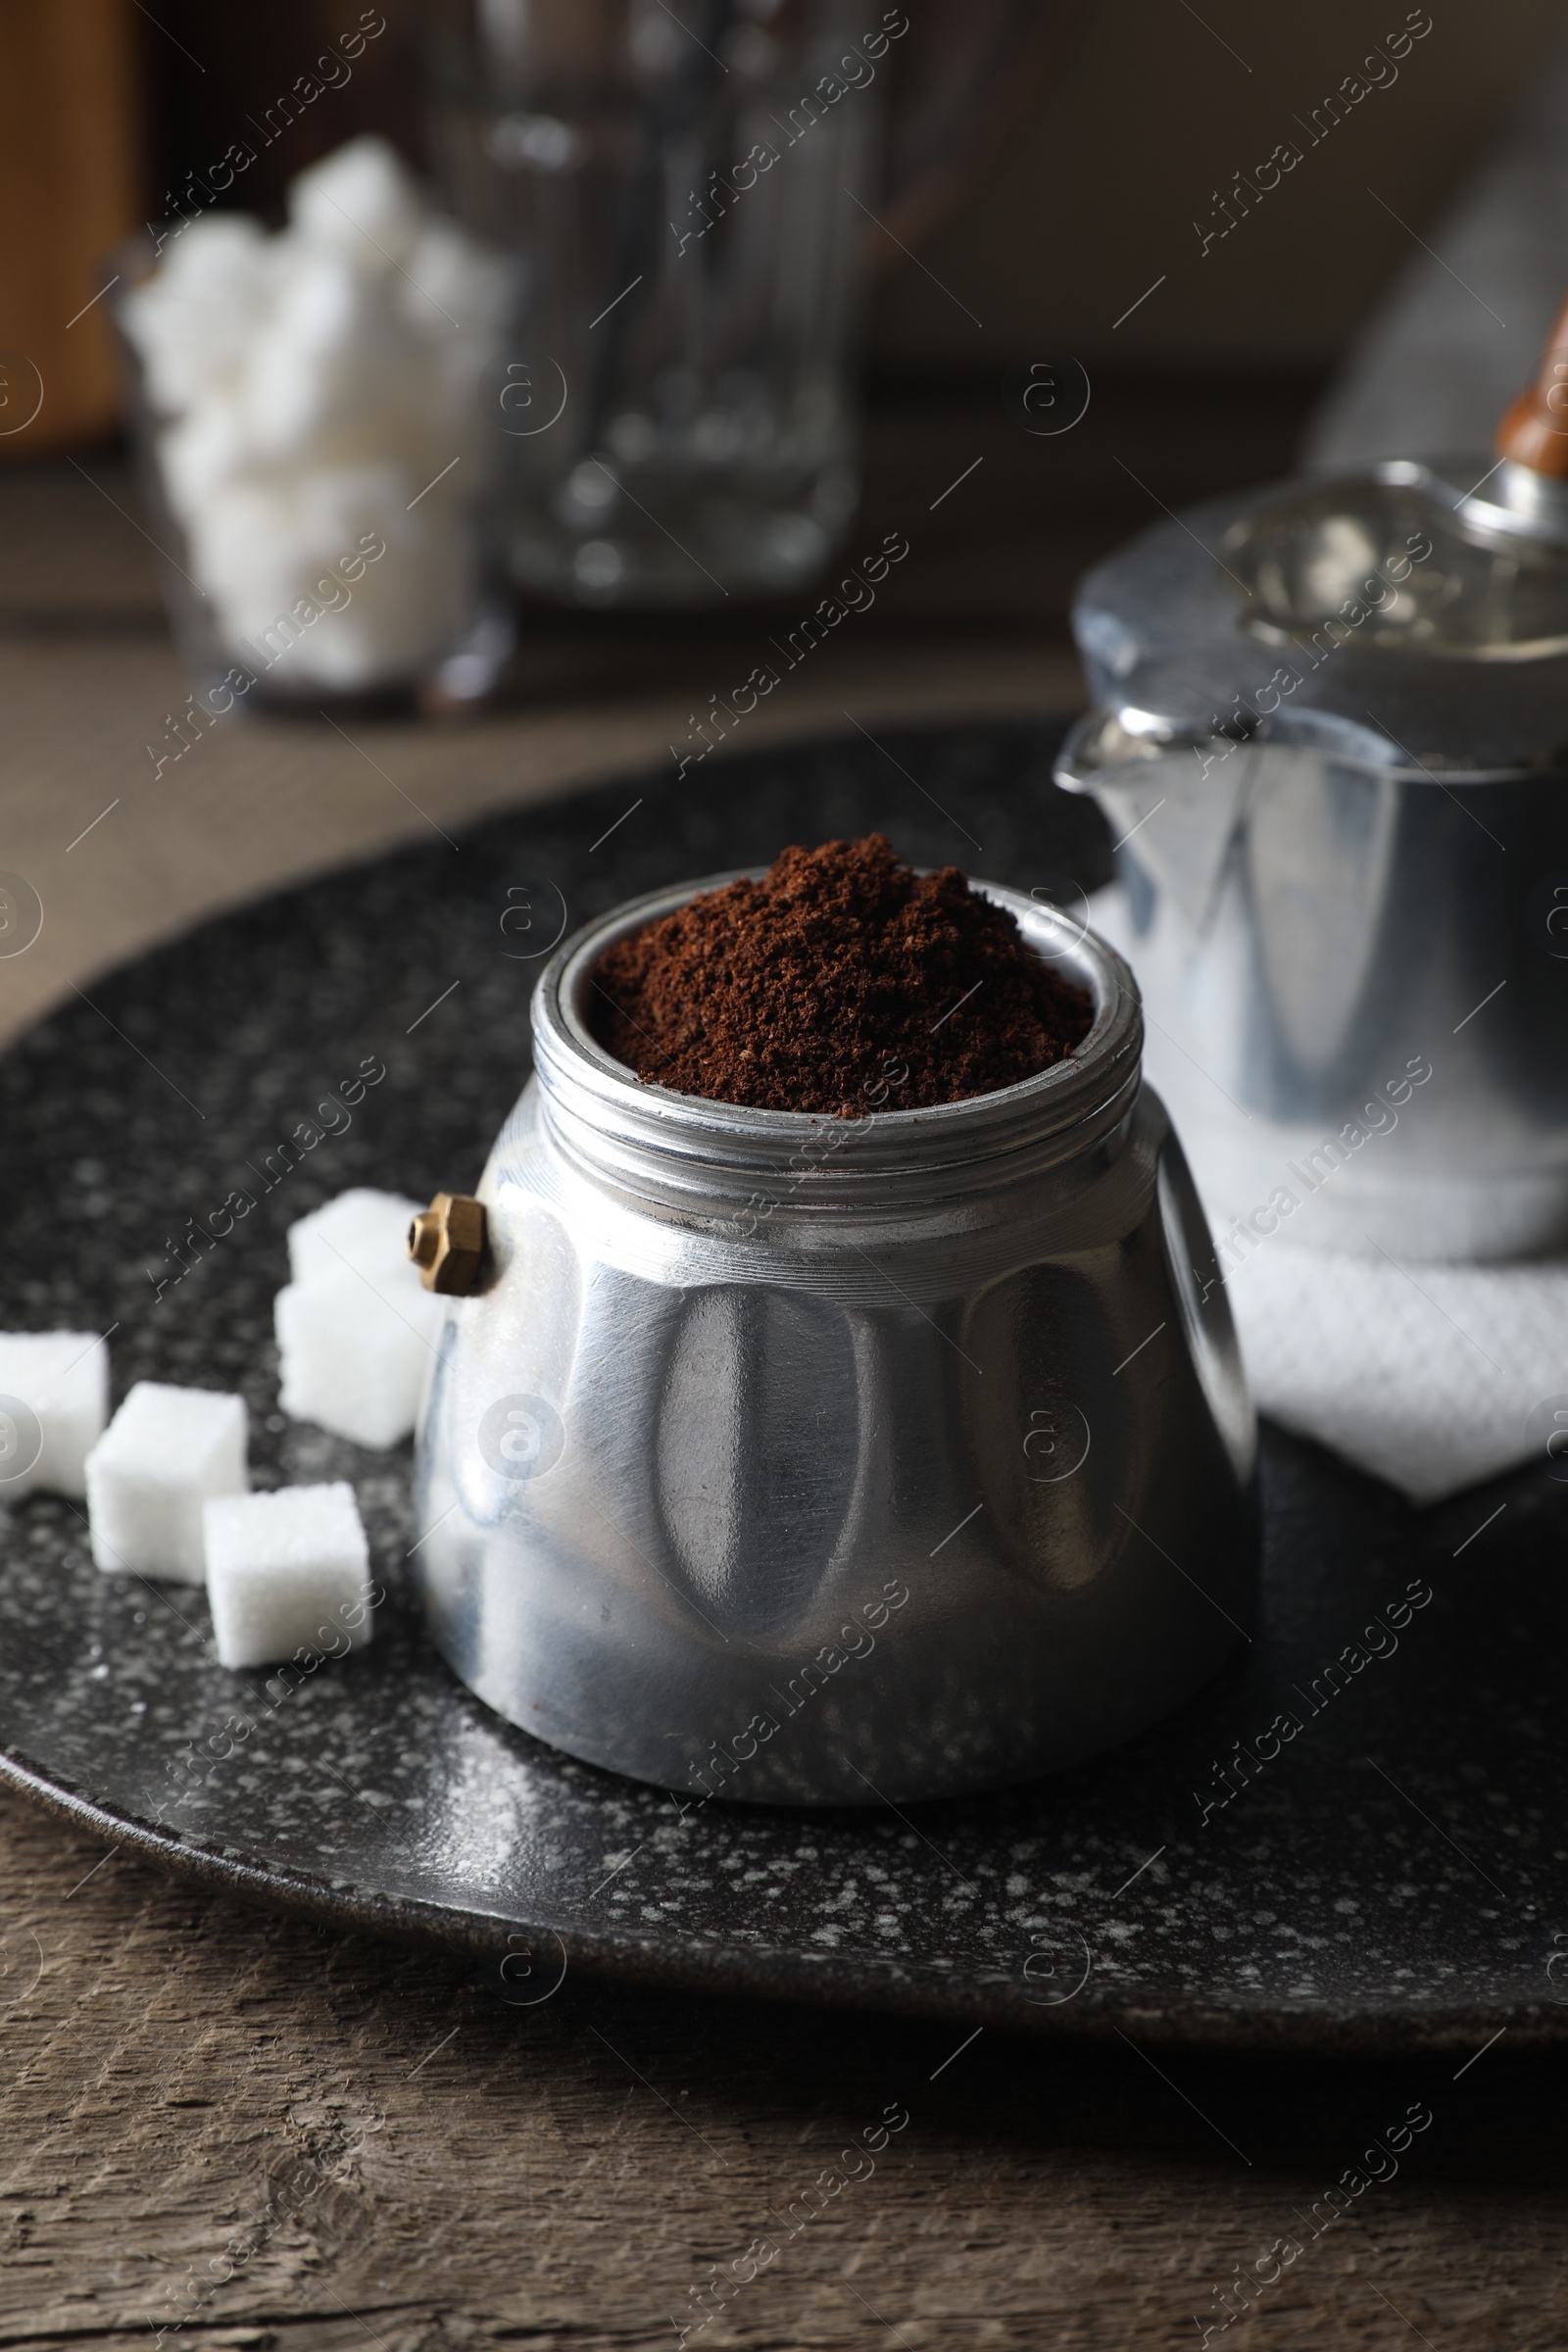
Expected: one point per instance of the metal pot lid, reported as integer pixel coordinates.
(1396, 616)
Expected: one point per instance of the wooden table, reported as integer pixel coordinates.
(378, 2148)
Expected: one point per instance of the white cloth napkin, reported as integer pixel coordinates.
(1433, 1377)
(1430, 1375)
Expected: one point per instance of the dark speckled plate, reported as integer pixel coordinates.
(1394, 1873)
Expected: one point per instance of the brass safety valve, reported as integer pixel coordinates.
(447, 1243)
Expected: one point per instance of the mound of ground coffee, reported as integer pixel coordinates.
(841, 982)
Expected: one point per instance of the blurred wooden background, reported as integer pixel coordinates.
(1125, 124)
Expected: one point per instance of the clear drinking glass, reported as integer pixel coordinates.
(682, 186)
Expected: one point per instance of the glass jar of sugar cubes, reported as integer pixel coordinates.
(686, 193)
(311, 415)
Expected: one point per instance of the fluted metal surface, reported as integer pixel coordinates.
(801, 1460)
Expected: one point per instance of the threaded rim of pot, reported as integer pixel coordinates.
(693, 1152)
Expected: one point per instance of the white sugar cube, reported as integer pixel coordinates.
(361, 198)
(192, 321)
(329, 361)
(356, 1354)
(164, 1454)
(356, 1328)
(407, 608)
(202, 454)
(288, 1571)
(362, 1228)
(59, 1382)
(219, 256)
(409, 603)
(383, 587)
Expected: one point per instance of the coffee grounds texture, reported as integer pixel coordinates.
(842, 982)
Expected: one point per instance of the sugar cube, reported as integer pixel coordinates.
(59, 1381)
(361, 198)
(356, 1327)
(285, 1571)
(201, 455)
(191, 321)
(164, 1454)
(313, 368)
(360, 1228)
(356, 1354)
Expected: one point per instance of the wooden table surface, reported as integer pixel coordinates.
(230, 2118)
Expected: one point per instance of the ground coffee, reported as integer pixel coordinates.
(841, 981)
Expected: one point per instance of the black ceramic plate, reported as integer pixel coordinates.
(1394, 1873)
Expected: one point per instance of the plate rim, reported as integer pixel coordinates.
(734, 1971)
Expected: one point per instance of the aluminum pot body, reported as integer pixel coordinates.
(1345, 876)
(1358, 996)
(790, 1459)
